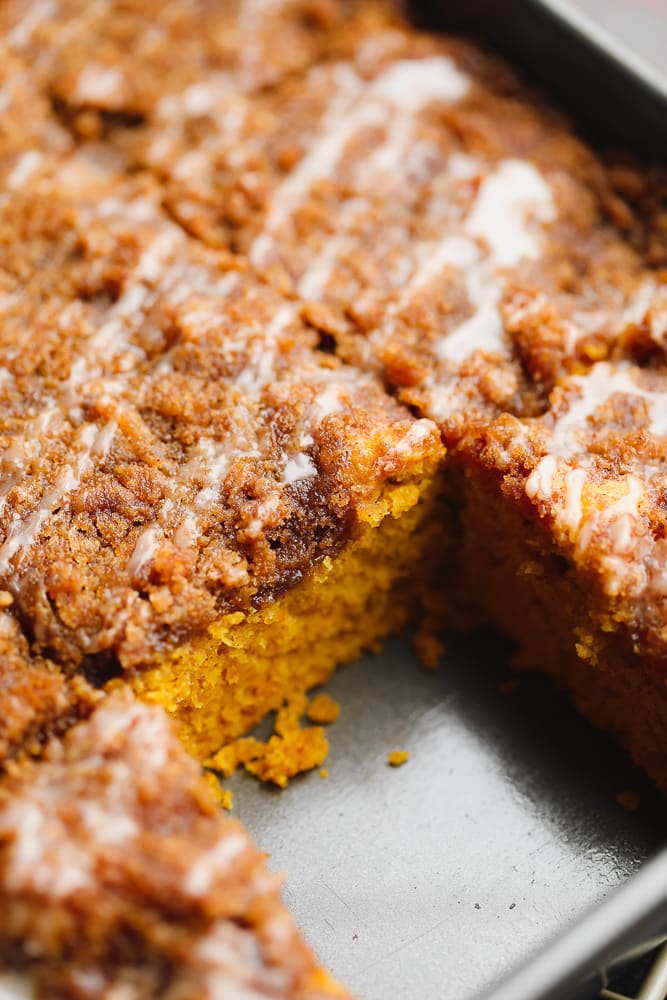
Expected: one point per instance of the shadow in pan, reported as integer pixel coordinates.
(549, 750)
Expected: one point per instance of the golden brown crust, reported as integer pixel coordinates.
(117, 869)
(425, 216)
(591, 471)
(442, 223)
(36, 700)
(175, 443)
(119, 57)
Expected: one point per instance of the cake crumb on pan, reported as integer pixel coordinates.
(323, 709)
(628, 800)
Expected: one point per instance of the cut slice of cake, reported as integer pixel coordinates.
(120, 876)
(195, 494)
(573, 503)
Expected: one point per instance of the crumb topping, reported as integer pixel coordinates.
(458, 238)
(117, 58)
(119, 872)
(225, 258)
(166, 425)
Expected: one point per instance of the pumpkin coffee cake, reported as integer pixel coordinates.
(441, 226)
(311, 326)
(121, 877)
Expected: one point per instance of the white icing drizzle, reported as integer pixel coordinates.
(105, 825)
(412, 84)
(561, 477)
(33, 827)
(620, 516)
(415, 436)
(649, 305)
(111, 337)
(91, 443)
(341, 124)
(571, 513)
(300, 466)
(43, 853)
(37, 12)
(92, 980)
(261, 366)
(159, 271)
(198, 99)
(390, 102)
(25, 167)
(389, 158)
(215, 862)
(483, 331)
(314, 279)
(452, 251)
(144, 549)
(502, 227)
(511, 203)
(207, 466)
(139, 209)
(18, 455)
(251, 21)
(213, 460)
(97, 82)
(15, 986)
(541, 480)
(210, 459)
(405, 88)
(231, 957)
(218, 101)
(326, 402)
(146, 729)
(594, 389)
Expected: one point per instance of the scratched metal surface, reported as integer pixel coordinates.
(641, 24)
(430, 881)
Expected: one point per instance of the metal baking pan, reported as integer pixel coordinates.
(617, 95)
(434, 881)
(501, 841)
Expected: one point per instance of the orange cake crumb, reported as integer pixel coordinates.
(398, 757)
(288, 752)
(241, 751)
(429, 647)
(324, 773)
(283, 757)
(628, 800)
(323, 709)
(290, 713)
(223, 796)
(227, 799)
